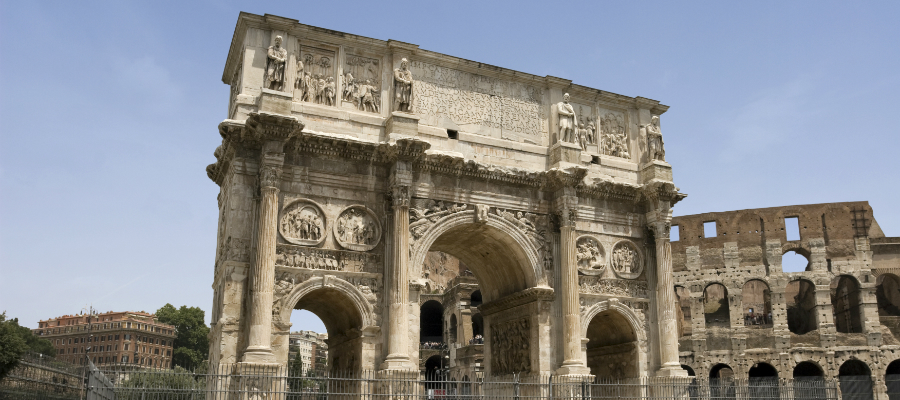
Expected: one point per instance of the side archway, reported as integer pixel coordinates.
(616, 340)
(347, 313)
(855, 379)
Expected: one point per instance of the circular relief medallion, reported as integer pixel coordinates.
(590, 255)
(357, 228)
(303, 222)
(626, 260)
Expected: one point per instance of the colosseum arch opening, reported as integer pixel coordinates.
(845, 300)
(683, 297)
(716, 309)
(800, 299)
(756, 304)
(855, 378)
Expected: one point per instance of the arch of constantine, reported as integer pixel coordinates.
(349, 164)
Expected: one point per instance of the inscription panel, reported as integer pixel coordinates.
(477, 103)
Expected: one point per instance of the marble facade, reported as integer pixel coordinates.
(345, 160)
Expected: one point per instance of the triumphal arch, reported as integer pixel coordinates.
(345, 160)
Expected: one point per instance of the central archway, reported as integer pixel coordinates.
(504, 257)
(348, 315)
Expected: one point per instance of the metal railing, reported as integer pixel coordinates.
(243, 381)
(41, 377)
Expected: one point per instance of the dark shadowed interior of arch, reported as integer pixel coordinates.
(715, 306)
(808, 370)
(888, 294)
(690, 371)
(763, 379)
(612, 349)
(434, 366)
(498, 262)
(342, 321)
(846, 305)
(855, 380)
(892, 379)
(800, 296)
(721, 371)
(762, 370)
(477, 325)
(431, 322)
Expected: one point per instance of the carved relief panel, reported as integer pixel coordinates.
(315, 77)
(357, 228)
(613, 128)
(477, 103)
(303, 222)
(361, 83)
(328, 260)
(510, 347)
(626, 260)
(590, 255)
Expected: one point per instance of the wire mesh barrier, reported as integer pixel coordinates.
(42, 377)
(243, 381)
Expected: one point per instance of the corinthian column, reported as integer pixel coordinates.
(572, 361)
(660, 221)
(398, 351)
(269, 132)
(263, 273)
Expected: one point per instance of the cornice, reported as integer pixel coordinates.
(417, 152)
(517, 299)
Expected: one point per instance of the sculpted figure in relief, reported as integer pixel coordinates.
(626, 262)
(303, 224)
(655, 140)
(355, 227)
(566, 120)
(403, 87)
(614, 140)
(275, 61)
(589, 254)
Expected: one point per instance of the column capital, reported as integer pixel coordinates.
(566, 211)
(399, 196)
(269, 176)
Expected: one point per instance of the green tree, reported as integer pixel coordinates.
(11, 345)
(15, 340)
(191, 345)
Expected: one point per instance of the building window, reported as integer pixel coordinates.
(124, 359)
(117, 337)
(126, 346)
(117, 347)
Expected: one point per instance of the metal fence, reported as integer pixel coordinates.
(41, 377)
(263, 382)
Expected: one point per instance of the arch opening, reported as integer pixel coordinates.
(793, 261)
(757, 304)
(715, 306)
(763, 381)
(451, 335)
(887, 292)
(845, 300)
(721, 382)
(477, 329)
(612, 348)
(892, 380)
(801, 306)
(502, 264)
(504, 261)
(431, 323)
(855, 379)
(809, 381)
(343, 323)
(434, 371)
(690, 371)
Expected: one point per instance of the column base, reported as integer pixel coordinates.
(573, 368)
(672, 371)
(398, 362)
(259, 356)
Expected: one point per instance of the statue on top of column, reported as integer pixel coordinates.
(275, 61)
(655, 140)
(403, 87)
(566, 120)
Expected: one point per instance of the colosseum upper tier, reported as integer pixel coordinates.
(744, 315)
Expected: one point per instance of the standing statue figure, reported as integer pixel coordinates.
(655, 140)
(349, 87)
(298, 79)
(403, 87)
(275, 61)
(566, 120)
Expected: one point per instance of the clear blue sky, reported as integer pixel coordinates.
(109, 114)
